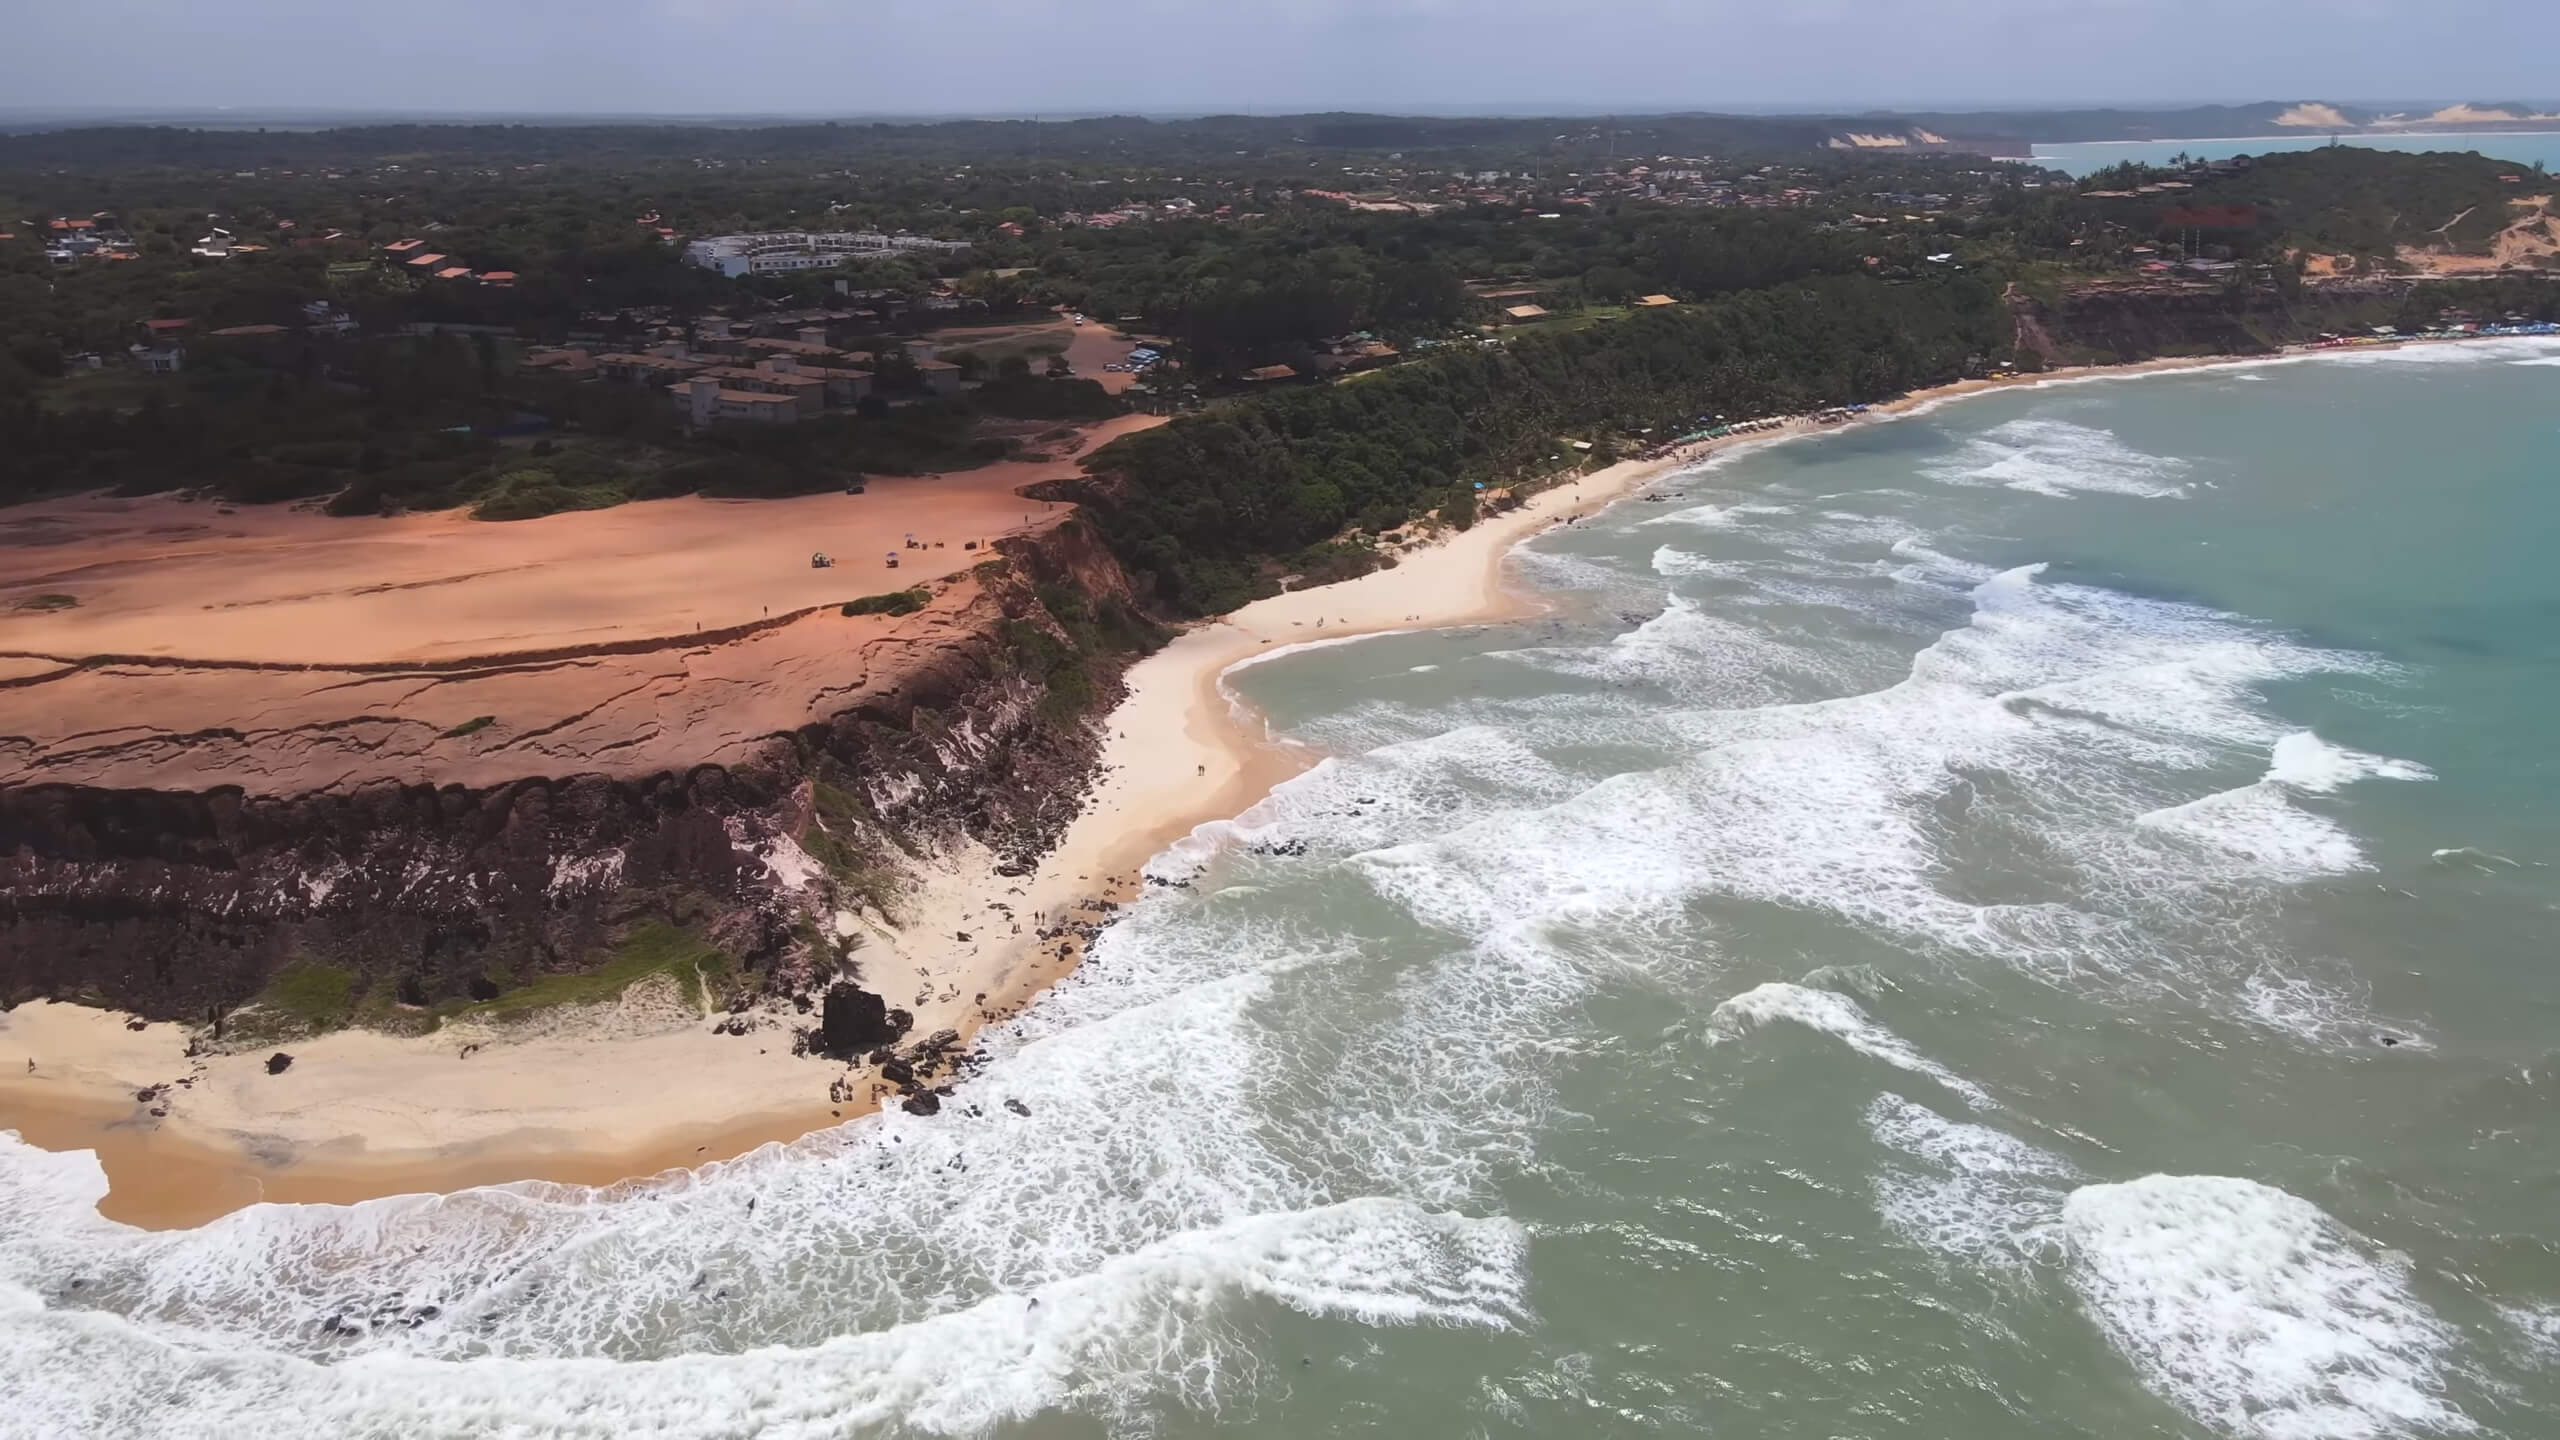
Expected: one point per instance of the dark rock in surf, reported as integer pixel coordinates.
(923, 1102)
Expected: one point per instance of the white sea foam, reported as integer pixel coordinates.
(2047, 455)
(2485, 351)
(1984, 1197)
(2256, 1313)
(1562, 570)
(2472, 857)
(1402, 788)
(1143, 1324)
(1137, 1129)
(1678, 564)
(1958, 1146)
(1923, 565)
(1702, 517)
(2262, 823)
(1695, 654)
(2080, 708)
(1840, 1017)
(2304, 761)
(2539, 1327)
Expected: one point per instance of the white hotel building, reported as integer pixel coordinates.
(778, 251)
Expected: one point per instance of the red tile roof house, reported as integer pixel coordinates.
(703, 402)
(165, 329)
(808, 393)
(454, 272)
(403, 249)
(503, 279)
(425, 264)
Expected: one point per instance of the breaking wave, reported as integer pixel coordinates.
(2056, 457)
(1836, 1015)
(2256, 1313)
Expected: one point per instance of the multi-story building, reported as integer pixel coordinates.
(782, 251)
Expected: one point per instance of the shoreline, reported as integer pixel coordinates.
(620, 1121)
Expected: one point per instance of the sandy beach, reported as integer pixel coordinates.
(587, 1098)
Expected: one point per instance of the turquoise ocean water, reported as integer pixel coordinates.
(2526, 148)
(2034, 919)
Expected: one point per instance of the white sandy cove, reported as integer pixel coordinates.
(639, 1087)
(1181, 753)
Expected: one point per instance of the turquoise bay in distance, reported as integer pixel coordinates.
(2032, 919)
(2525, 147)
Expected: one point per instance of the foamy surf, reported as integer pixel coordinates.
(1830, 1013)
(1157, 1323)
(2263, 824)
(2256, 1313)
(1975, 1194)
(2050, 456)
(2304, 761)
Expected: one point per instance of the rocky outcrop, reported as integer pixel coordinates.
(184, 903)
(854, 1021)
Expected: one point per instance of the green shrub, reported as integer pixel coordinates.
(896, 602)
(652, 947)
(316, 996)
(531, 493)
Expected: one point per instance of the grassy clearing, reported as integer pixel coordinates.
(472, 726)
(314, 997)
(653, 947)
(51, 601)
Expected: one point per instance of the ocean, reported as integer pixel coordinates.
(2524, 147)
(2030, 919)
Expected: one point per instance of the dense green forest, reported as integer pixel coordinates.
(1240, 296)
(425, 422)
(1827, 277)
(1197, 505)
(2339, 198)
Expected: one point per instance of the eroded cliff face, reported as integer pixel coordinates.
(183, 903)
(2120, 324)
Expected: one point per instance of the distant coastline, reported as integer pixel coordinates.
(2314, 137)
(2522, 146)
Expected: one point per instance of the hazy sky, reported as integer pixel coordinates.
(1028, 56)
